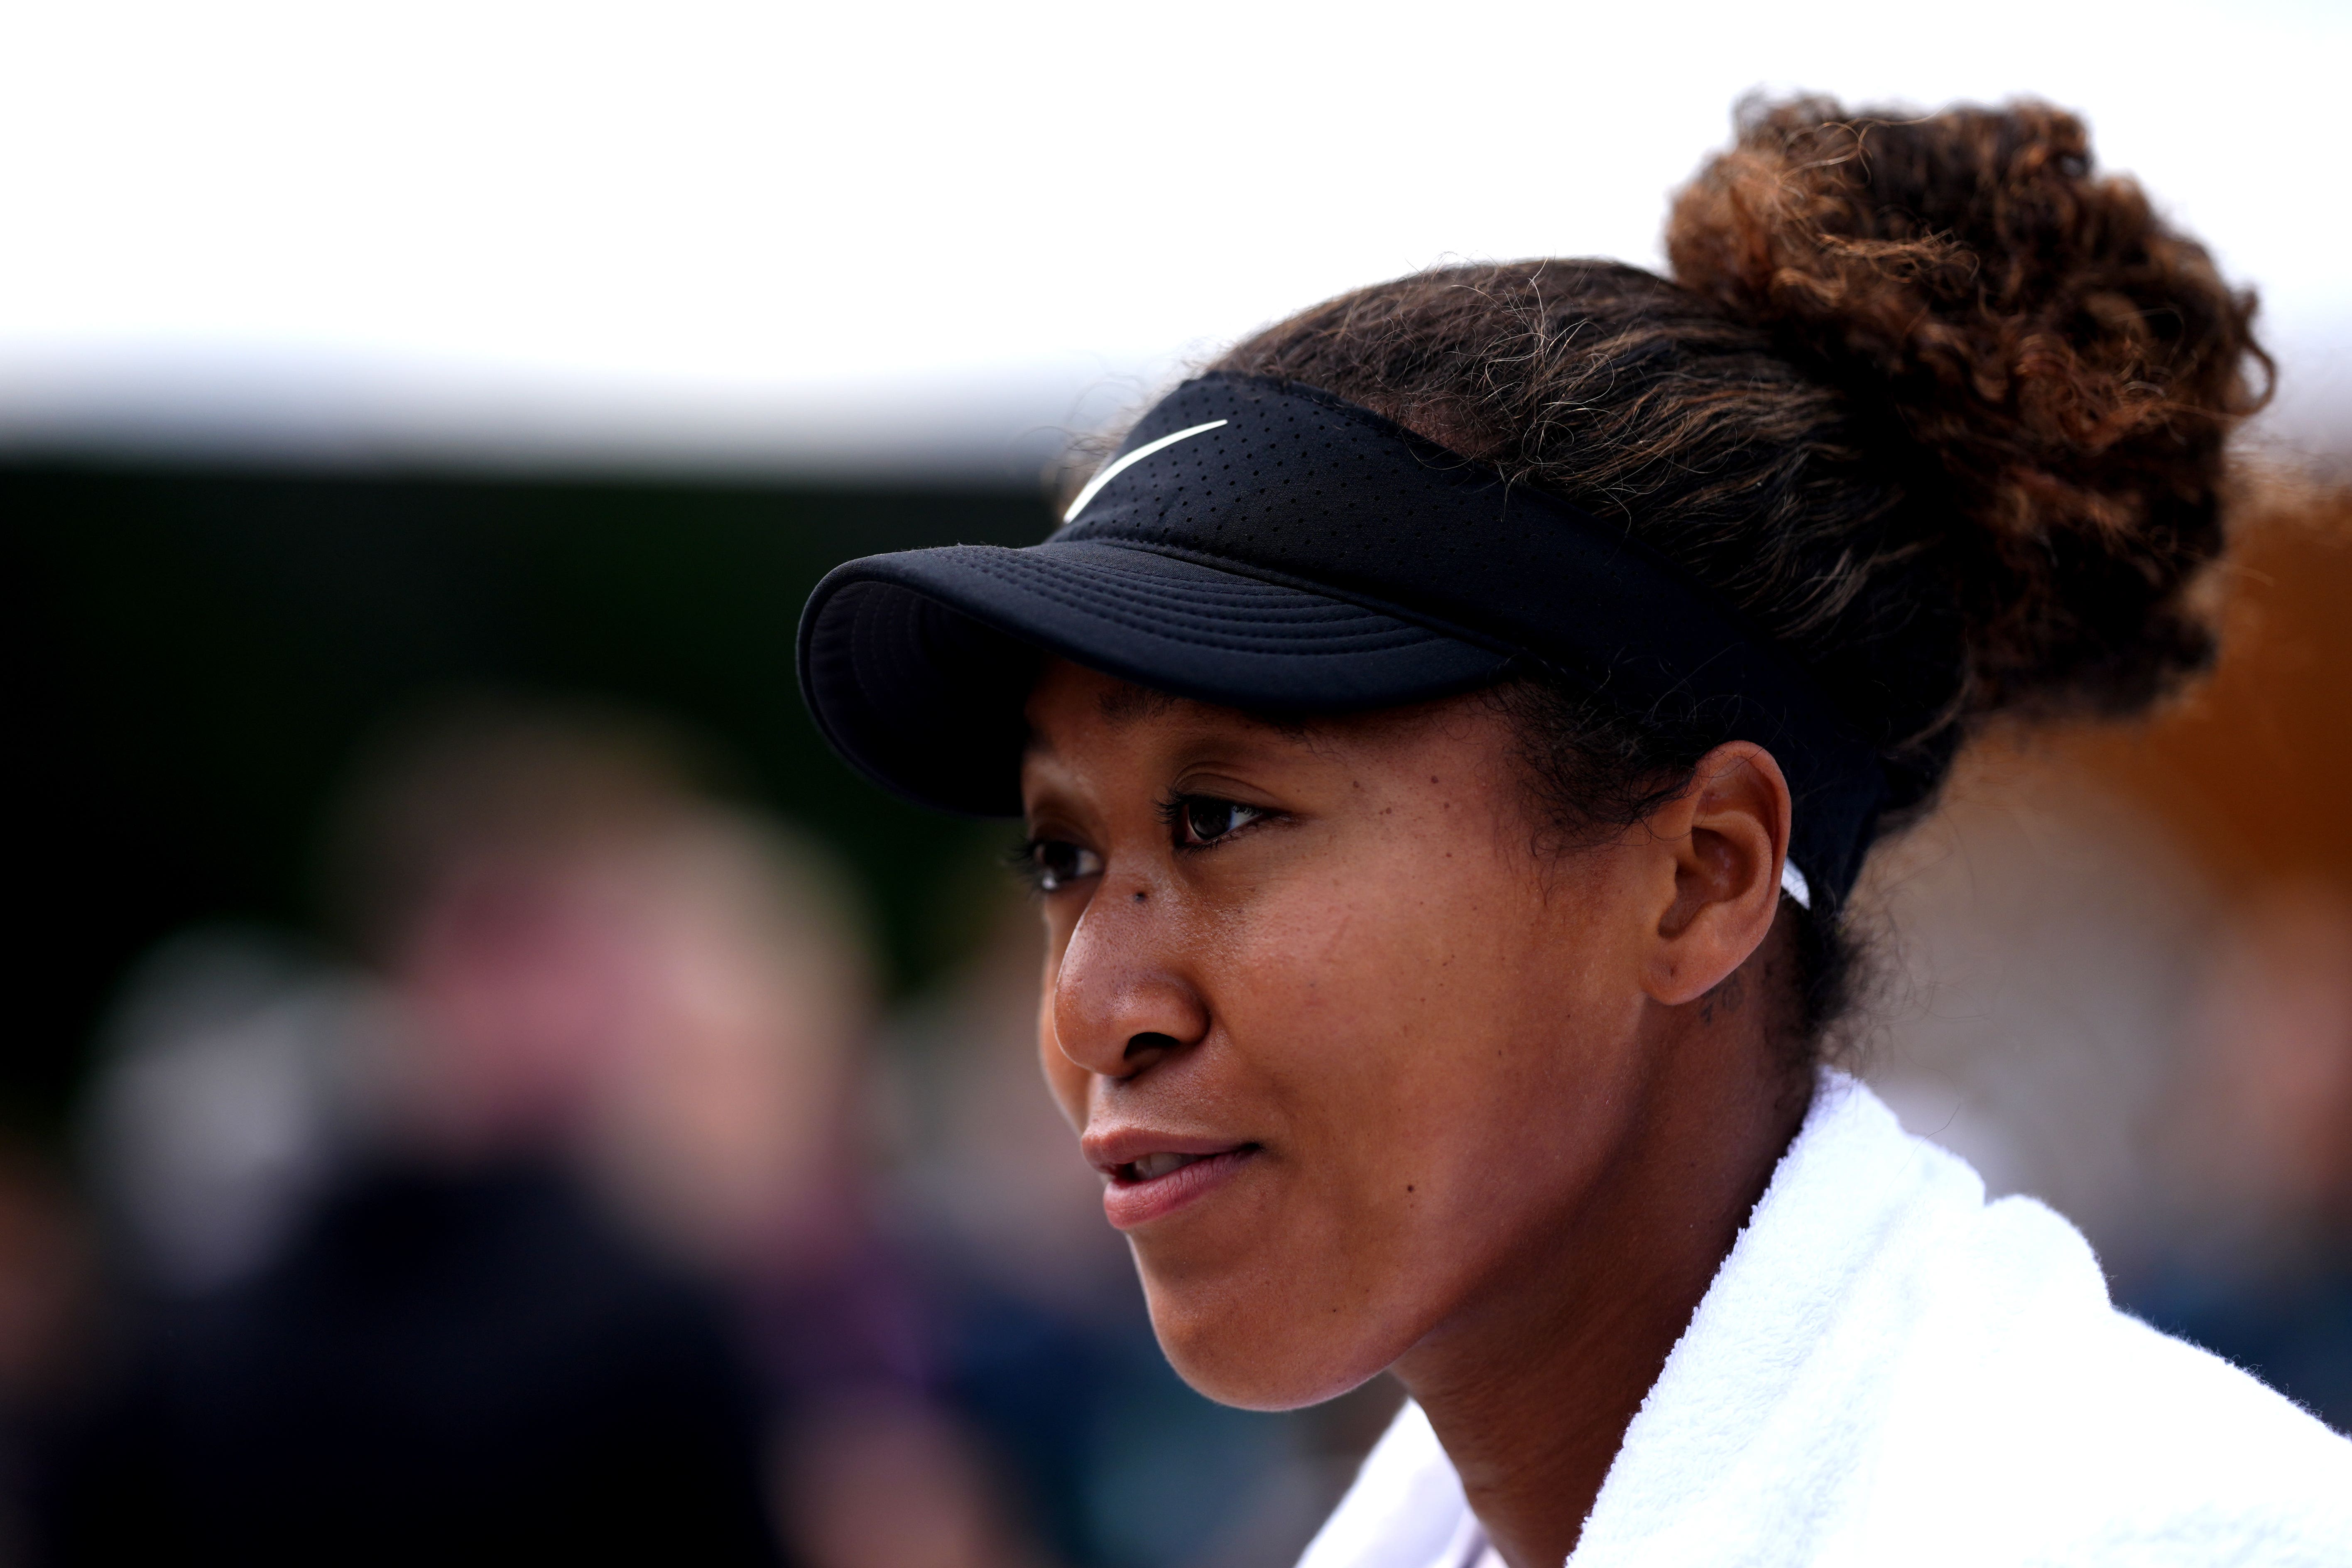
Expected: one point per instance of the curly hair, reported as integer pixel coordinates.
(1937, 406)
(2072, 364)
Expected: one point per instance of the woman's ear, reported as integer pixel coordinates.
(1725, 838)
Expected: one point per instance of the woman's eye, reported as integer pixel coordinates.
(1055, 864)
(1203, 819)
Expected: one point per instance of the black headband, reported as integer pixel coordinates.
(1265, 546)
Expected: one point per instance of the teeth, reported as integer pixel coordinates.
(1151, 1167)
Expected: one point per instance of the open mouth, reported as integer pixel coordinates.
(1152, 1167)
(1150, 1185)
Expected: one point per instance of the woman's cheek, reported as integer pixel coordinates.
(1347, 976)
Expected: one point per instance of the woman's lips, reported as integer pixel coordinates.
(1157, 1183)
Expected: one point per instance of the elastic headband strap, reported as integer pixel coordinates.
(1288, 484)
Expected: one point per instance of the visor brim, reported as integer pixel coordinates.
(917, 665)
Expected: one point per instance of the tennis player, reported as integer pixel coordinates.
(1449, 731)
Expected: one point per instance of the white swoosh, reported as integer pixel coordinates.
(1095, 485)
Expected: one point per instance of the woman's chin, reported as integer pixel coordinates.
(1266, 1359)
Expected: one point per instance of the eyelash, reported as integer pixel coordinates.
(1173, 807)
(1027, 858)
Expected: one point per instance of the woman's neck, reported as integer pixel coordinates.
(1531, 1387)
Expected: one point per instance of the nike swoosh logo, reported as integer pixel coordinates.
(1095, 485)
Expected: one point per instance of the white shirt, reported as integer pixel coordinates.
(1888, 1370)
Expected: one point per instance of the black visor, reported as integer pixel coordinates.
(1263, 545)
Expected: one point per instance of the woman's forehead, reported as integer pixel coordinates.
(1077, 714)
(1069, 694)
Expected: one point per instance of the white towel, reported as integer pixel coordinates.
(1888, 1370)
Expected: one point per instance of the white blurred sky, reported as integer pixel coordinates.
(780, 237)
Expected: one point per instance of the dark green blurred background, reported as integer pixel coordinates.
(195, 652)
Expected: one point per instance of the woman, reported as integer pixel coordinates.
(1449, 731)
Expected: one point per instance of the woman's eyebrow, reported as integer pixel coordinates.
(1289, 726)
(1126, 704)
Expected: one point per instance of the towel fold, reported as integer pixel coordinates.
(1887, 1369)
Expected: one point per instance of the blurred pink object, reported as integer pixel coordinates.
(2265, 1116)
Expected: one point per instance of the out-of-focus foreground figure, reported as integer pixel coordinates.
(545, 1240)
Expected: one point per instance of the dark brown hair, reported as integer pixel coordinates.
(1938, 407)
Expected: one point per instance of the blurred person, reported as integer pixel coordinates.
(2260, 1265)
(591, 1279)
(595, 962)
(1449, 731)
(48, 1293)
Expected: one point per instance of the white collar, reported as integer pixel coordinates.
(1882, 1347)
(1406, 1509)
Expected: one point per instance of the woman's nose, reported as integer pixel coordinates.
(1121, 999)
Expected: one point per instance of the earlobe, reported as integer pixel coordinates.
(1726, 837)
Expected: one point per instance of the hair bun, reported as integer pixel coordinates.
(2067, 368)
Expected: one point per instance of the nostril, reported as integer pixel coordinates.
(1148, 1044)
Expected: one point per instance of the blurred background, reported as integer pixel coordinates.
(481, 1080)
